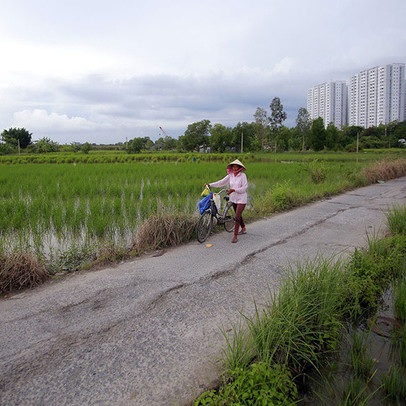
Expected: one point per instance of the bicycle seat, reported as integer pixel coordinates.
(226, 198)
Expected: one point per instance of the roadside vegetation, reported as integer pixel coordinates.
(77, 216)
(311, 343)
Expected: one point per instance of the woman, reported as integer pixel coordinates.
(238, 184)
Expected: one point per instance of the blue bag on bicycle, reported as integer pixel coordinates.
(204, 204)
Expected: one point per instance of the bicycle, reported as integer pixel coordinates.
(205, 223)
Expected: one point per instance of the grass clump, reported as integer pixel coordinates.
(20, 270)
(396, 218)
(165, 230)
(385, 170)
(303, 320)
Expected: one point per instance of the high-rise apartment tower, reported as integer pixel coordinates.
(377, 96)
(329, 101)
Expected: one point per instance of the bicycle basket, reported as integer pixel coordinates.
(204, 204)
(217, 201)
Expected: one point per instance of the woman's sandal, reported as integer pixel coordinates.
(234, 239)
(242, 232)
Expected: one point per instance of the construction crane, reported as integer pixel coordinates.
(163, 132)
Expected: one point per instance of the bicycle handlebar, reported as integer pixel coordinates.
(222, 190)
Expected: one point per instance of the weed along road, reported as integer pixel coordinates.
(148, 332)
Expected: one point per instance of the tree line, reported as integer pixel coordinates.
(265, 133)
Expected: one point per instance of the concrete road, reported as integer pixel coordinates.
(148, 332)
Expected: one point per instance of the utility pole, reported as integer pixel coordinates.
(242, 141)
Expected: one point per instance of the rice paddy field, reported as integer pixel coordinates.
(48, 208)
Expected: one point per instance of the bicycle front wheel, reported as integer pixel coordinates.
(204, 226)
(229, 220)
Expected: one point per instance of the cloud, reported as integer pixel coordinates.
(40, 120)
(102, 107)
(135, 66)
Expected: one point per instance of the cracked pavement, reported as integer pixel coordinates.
(149, 331)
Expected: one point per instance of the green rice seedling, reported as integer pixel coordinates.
(394, 383)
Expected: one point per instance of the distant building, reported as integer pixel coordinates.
(329, 101)
(377, 96)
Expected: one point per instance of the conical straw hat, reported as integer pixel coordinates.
(236, 162)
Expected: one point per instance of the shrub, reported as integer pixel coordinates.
(72, 259)
(260, 384)
(279, 198)
(370, 271)
(20, 270)
(317, 171)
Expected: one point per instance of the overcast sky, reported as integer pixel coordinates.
(101, 71)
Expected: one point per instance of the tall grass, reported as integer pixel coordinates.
(396, 219)
(299, 323)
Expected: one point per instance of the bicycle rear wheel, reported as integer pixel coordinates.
(204, 226)
(229, 220)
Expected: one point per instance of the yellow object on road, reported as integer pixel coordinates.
(209, 245)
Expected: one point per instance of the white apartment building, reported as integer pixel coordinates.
(329, 100)
(377, 96)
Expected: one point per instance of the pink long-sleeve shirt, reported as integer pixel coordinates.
(237, 182)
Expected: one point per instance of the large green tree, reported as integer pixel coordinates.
(303, 126)
(317, 135)
(45, 145)
(17, 137)
(221, 138)
(332, 137)
(196, 136)
(278, 116)
(261, 125)
(135, 145)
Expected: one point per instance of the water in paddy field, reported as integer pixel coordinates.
(333, 385)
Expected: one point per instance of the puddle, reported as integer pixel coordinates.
(337, 380)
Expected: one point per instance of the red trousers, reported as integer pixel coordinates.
(238, 208)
